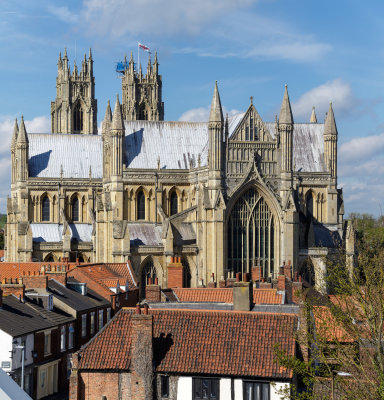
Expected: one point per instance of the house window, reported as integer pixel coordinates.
(92, 323)
(164, 383)
(256, 390)
(84, 325)
(71, 331)
(47, 343)
(101, 316)
(205, 388)
(62, 338)
(75, 209)
(45, 209)
(141, 205)
(173, 202)
(108, 313)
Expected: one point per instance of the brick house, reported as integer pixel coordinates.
(185, 354)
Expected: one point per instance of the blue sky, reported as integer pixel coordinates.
(325, 51)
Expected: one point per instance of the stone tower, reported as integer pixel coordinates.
(142, 94)
(75, 107)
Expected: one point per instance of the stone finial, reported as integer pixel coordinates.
(158, 163)
(313, 119)
(61, 171)
(216, 114)
(251, 98)
(199, 160)
(286, 111)
(15, 133)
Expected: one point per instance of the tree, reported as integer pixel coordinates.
(344, 330)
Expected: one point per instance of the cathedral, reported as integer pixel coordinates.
(221, 195)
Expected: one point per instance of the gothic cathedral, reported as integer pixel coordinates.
(223, 195)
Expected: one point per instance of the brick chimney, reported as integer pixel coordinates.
(256, 273)
(13, 286)
(242, 293)
(153, 292)
(288, 270)
(142, 355)
(212, 283)
(35, 281)
(175, 273)
(58, 272)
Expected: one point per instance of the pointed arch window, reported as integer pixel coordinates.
(45, 206)
(78, 118)
(75, 209)
(251, 235)
(141, 205)
(148, 272)
(173, 203)
(143, 114)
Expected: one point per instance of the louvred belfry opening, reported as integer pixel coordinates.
(251, 234)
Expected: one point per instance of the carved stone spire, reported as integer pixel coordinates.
(117, 119)
(22, 137)
(313, 119)
(216, 114)
(107, 118)
(286, 111)
(15, 133)
(330, 123)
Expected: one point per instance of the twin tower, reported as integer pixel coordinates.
(75, 107)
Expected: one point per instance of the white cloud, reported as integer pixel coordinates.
(151, 17)
(63, 14)
(201, 114)
(337, 91)
(361, 148)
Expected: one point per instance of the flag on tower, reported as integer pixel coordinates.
(143, 47)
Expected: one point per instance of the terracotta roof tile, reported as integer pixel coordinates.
(199, 342)
(15, 269)
(225, 295)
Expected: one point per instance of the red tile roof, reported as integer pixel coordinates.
(15, 269)
(204, 295)
(199, 342)
(225, 295)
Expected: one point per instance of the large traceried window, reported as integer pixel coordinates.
(173, 203)
(148, 271)
(78, 118)
(45, 209)
(140, 205)
(250, 234)
(75, 209)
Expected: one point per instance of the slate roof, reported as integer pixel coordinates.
(145, 234)
(222, 343)
(45, 232)
(18, 318)
(74, 299)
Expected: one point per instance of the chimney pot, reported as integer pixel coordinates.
(146, 309)
(238, 276)
(156, 281)
(149, 281)
(138, 309)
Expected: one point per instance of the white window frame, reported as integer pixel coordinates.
(47, 343)
(84, 325)
(63, 337)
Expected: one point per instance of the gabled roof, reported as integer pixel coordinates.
(99, 276)
(238, 344)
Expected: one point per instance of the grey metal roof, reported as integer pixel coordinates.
(192, 306)
(326, 236)
(75, 153)
(145, 234)
(176, 143)
(308, 146)
(46, 232)
(277, 308)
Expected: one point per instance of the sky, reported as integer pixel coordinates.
(327, 51)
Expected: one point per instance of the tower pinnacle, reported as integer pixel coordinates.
(216, 114)
(286, 111)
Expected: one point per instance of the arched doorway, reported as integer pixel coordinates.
(251, 234)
